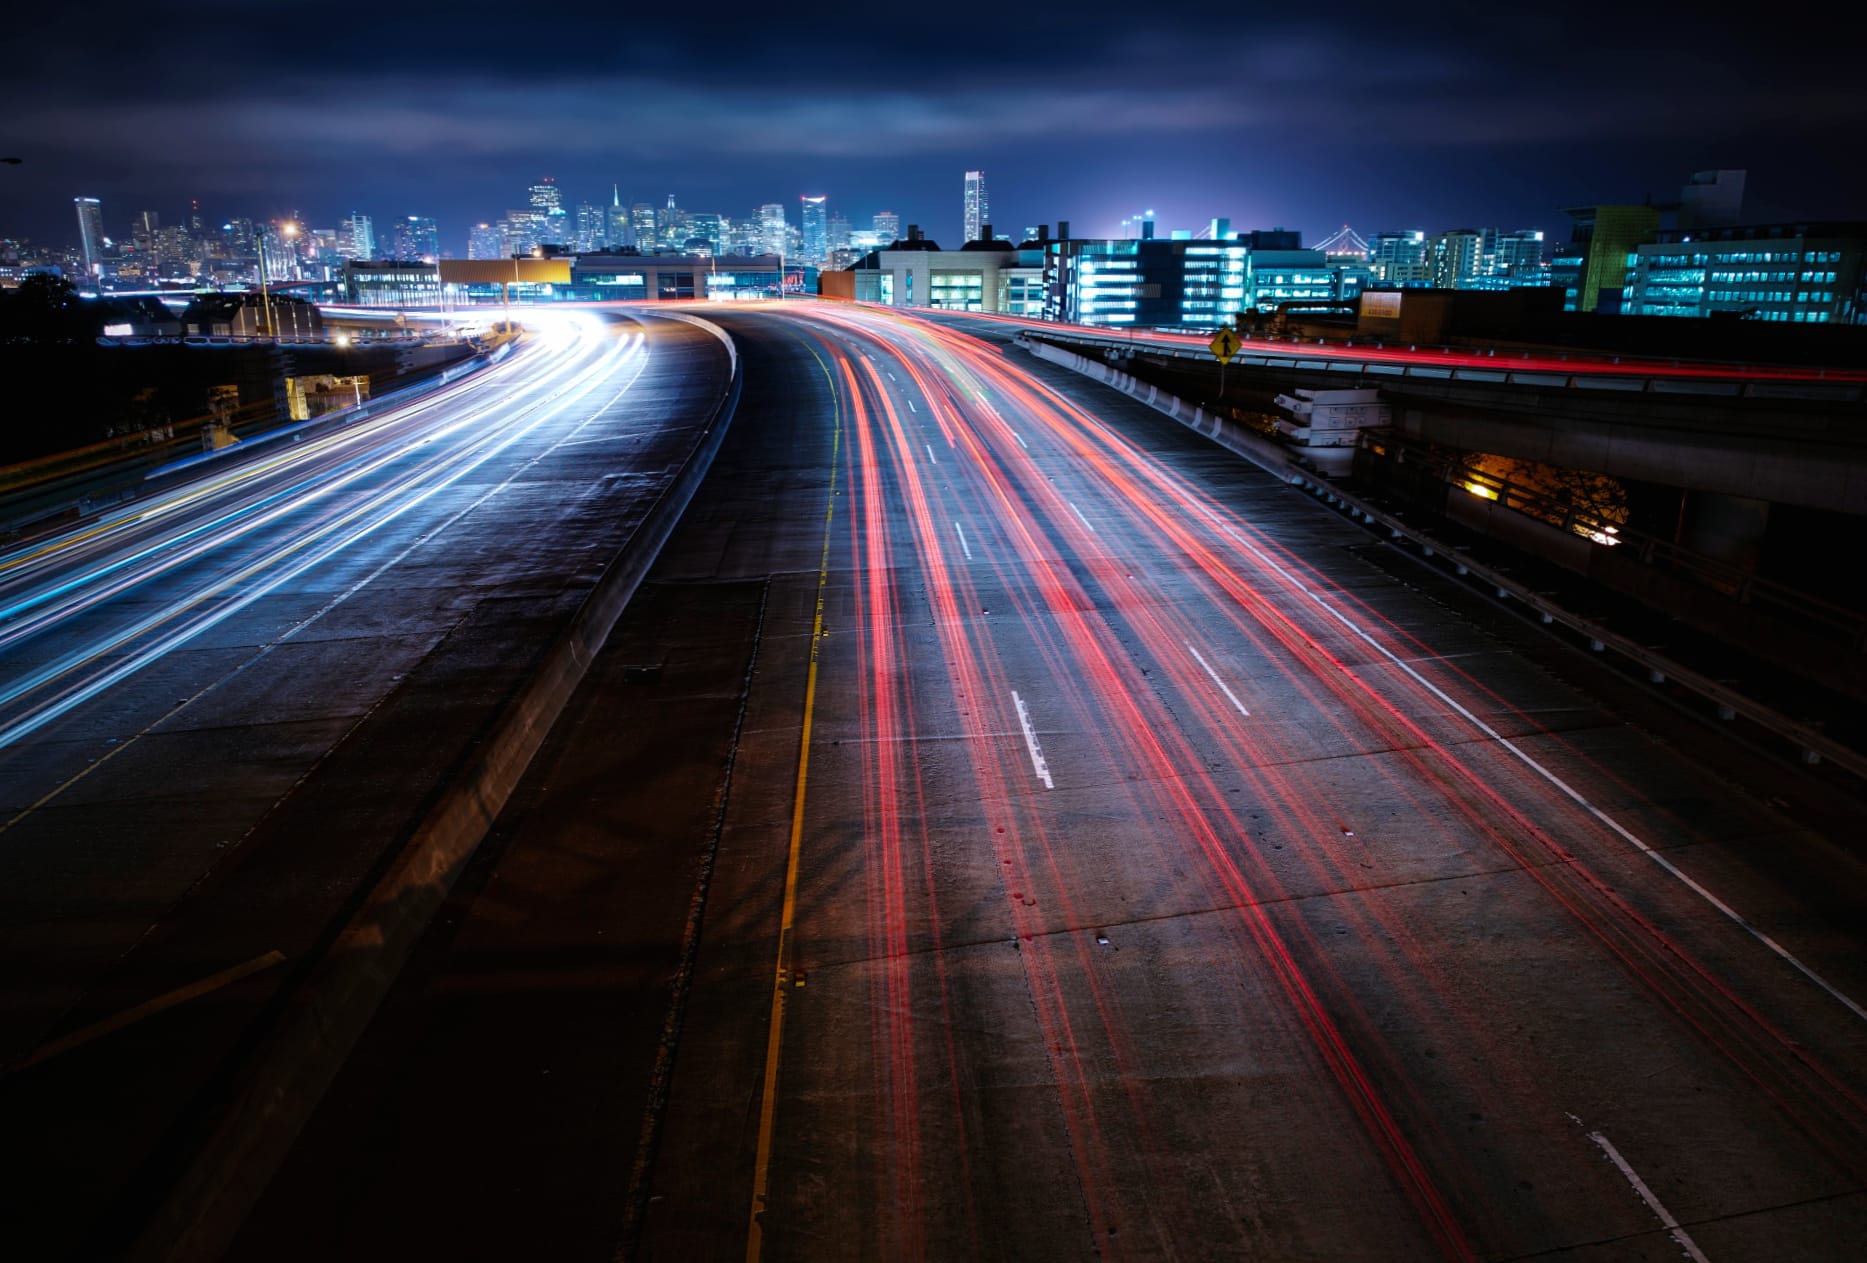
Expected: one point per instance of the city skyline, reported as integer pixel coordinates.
(1304, 121)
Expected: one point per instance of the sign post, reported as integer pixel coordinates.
(1224, 346)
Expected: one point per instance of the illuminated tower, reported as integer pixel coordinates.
(90, 232)
(356, 236)
(545, 198)
(978, 209)
(814, 222)
(772, 227)
(618, 219)
(887, 228)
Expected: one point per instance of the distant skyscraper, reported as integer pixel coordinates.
(709, 229)
(1456, 257)
(1399, 258)
(90, 232)
(278, 250)
(978, 208)
(486, 241)
(143, 231)
(814, 225)
(642, 221)
(591, 234)
(887, 228)
(356, 236)
(619, 235)
(544, 196)
(416, 239)
(1519, 258)
(771, 227)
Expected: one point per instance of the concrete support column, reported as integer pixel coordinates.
(1726, 528)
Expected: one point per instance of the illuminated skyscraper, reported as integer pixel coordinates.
(887, 227)
(771, 227)
(90, 232)
(544, 196)
(1457, 258)
(356, 236)
(591, 235)
(815, 225)
(486, 241)
(642, 220)
(978, 208)
(1399, 258)
(417, 239)
(619, 235)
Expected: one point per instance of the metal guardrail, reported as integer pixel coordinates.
(1711, 384)
(1814, 745)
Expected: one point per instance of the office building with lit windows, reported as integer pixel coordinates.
(987, 276)
(486, 241)
(814, 228)
(417, 239)
(90, 233)
(1787, 273)
(977, 207)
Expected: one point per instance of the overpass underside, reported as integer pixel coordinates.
(1739, 509)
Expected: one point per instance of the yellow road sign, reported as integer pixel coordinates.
(1224, 345)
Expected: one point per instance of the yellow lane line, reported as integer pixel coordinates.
(149, 1008)
(768, 1105)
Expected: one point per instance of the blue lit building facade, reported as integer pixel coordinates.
(1188, 284)
(1146, 282)
(599, 277)
(1785, 273)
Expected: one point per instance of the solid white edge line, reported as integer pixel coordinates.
(1030, 741)
(1677, 1233)
(1548, 775)
(1230, 696)
(964, 547)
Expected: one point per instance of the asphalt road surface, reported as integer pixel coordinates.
(222, 705)
(1009, 827)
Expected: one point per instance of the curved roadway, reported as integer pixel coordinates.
(223, 705)
(1010, 828)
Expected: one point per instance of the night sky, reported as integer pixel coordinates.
(1380, 115)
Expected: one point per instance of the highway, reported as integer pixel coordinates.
(1007, 827)
(223, 703)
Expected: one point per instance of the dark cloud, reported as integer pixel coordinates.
(1378, 114)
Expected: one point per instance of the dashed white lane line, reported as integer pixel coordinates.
(963, 546)
(1030, 740)
(1678, 1234)
(931, 456)
(1229, 695)
(1079, 514)
(911, 407)
(1021, 442)
(1568, 790)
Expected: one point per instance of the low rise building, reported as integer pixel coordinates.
(1808, 273)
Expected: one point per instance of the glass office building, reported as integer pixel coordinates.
(1786, 273)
